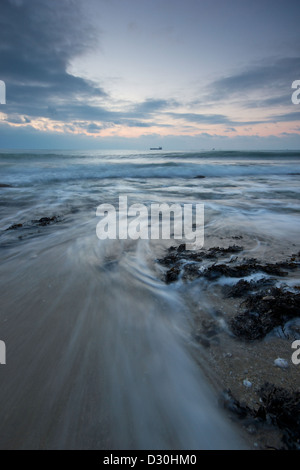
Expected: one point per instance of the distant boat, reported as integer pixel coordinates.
(155, 148)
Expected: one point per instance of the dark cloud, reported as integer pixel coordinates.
(150, 106)
(288, 117)
(201, 118)
(270, 81)
(211, 119)
(268, 75)
(38, 40)
(280, 100)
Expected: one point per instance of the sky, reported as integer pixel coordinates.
(183, 74)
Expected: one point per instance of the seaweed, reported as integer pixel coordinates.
(278, 407)
(265, 311)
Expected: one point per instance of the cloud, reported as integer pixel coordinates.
(276, 101)
(288, 117)
(211, 119)
(201, 118)
(266, 75)
(38, 40)
(153, 105)
(264, 86)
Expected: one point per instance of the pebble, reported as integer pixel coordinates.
(247, 383)
(227, 354)
(251, 430)
(282, 363)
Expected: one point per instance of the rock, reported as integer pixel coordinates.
(199, 176)
(283, 409)
(282, 363)
(45, 221)
(14, 226)
(247, 383)
(242, 287)
(42, 222)
(265, 312)
(278, 407)
(251, 430)
(239, 409)
(172, 275)
(228, 354)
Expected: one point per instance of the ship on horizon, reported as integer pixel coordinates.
(155, 148)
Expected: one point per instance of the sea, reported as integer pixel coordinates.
(99, 349)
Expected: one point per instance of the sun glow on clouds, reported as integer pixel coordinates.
(109, 130)
(122, 69)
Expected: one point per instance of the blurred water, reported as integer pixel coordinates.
(97, 345)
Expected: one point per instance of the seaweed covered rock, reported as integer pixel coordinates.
(190, 265)
(277, 407)
(42, 222)
(265, 311)
(283, 409)
(243, 287)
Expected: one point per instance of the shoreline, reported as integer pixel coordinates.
(238, 367)
(251, 371)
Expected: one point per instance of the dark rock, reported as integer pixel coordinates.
(172, 275)
(243, 287)
(190, 271)
(283, 409)
(180, 258)
(14, 227)
(199, 176)
(202, 340)
(42, 222)
(241, 410)
(2, 185)
(278, 407)
(215, 252)
(265, 311)
(244, 269)
(45, 221)
(181, 248)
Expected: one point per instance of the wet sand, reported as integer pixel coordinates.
(234, 365)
